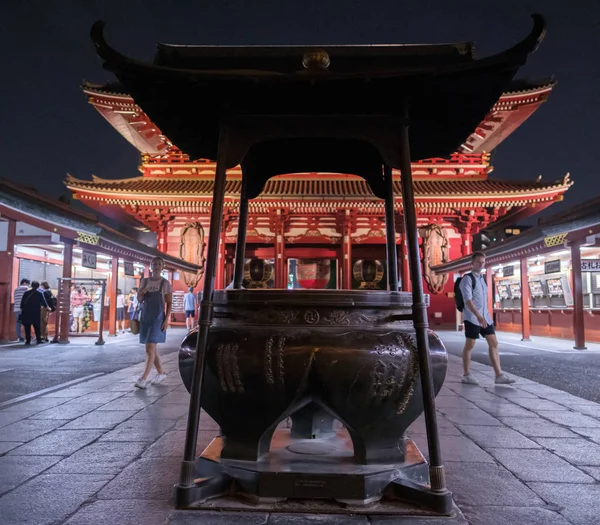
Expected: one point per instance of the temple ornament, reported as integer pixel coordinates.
(436, 249)
(191, 249)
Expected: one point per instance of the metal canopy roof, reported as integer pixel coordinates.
(321, 109)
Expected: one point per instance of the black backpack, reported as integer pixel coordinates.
(458, 297)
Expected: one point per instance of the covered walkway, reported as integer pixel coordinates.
(45, 239)
(546, 281)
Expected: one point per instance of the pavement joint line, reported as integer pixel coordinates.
(48, 390)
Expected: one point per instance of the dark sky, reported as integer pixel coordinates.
(45, 53)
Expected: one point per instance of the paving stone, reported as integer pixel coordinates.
(149, 478)
(122, 512)
(535, 404)
(57, 442)
(177, 397)
(444, 426)
(28, 429)
(195, 517)
(508, 391)
(68, 393)
(172, 443)
(100, 397)
(579, 501)
(70, 410)
(206, 423)
(538, 465)
(568, 400)
(101, 419)
(160, 410)
(473, 393)
(592, 471)
(540, 390)
(49, 499)
(128, 402)
(497, 437)
(592, 433)
(512, 516)
(570, 419)
(5, 446)
(460, 448)
(7, 418)
(102, 457)
(578, 451)
(119, 387)
(396, 520)
(453, 401)
(504, 408)
(487, 484)
(469, 416)
(588, 410)
(311, 519)
(142, 430)
(35, 405)
(536, 427)
(16, 470)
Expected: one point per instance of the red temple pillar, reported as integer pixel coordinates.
(220, 270)
(346, 230)
(113, 284)
(278, 227)
(404, 271)
(578, 311)
(64, 295)
(465, 244)
(7, 261)
(525, 312)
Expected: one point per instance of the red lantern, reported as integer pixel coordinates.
(313, 273)
(257, 273)
(368, 272)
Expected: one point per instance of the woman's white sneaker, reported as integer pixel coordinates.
(468, 379)
(504, 380)
(142, 383)
(159, 378)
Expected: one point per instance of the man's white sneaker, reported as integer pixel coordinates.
(142, 383)
(468, 379)
(159, 378)
(504, 380)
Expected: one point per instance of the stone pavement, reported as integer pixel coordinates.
(102, 452)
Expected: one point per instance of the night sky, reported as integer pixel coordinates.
(49, 129)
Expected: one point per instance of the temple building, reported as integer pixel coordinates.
(320, 229)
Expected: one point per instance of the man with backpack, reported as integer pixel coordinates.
(471, 293)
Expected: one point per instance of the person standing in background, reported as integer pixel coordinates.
(45, 312)
(17, 297)
(31, 304)
(120, 310)
(189, 306)
(132, 305)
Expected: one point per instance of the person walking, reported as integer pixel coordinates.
(155, 297)
(189, 306)
(132, 304)
(31, 304)
(17, 297)
(121, 310)
(478, 321)
(44, 311)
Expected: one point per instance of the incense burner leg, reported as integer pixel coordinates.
(311, 421)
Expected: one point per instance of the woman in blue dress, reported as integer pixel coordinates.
(155, 297)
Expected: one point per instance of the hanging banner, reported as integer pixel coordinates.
(590, 265)
(88, 259)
